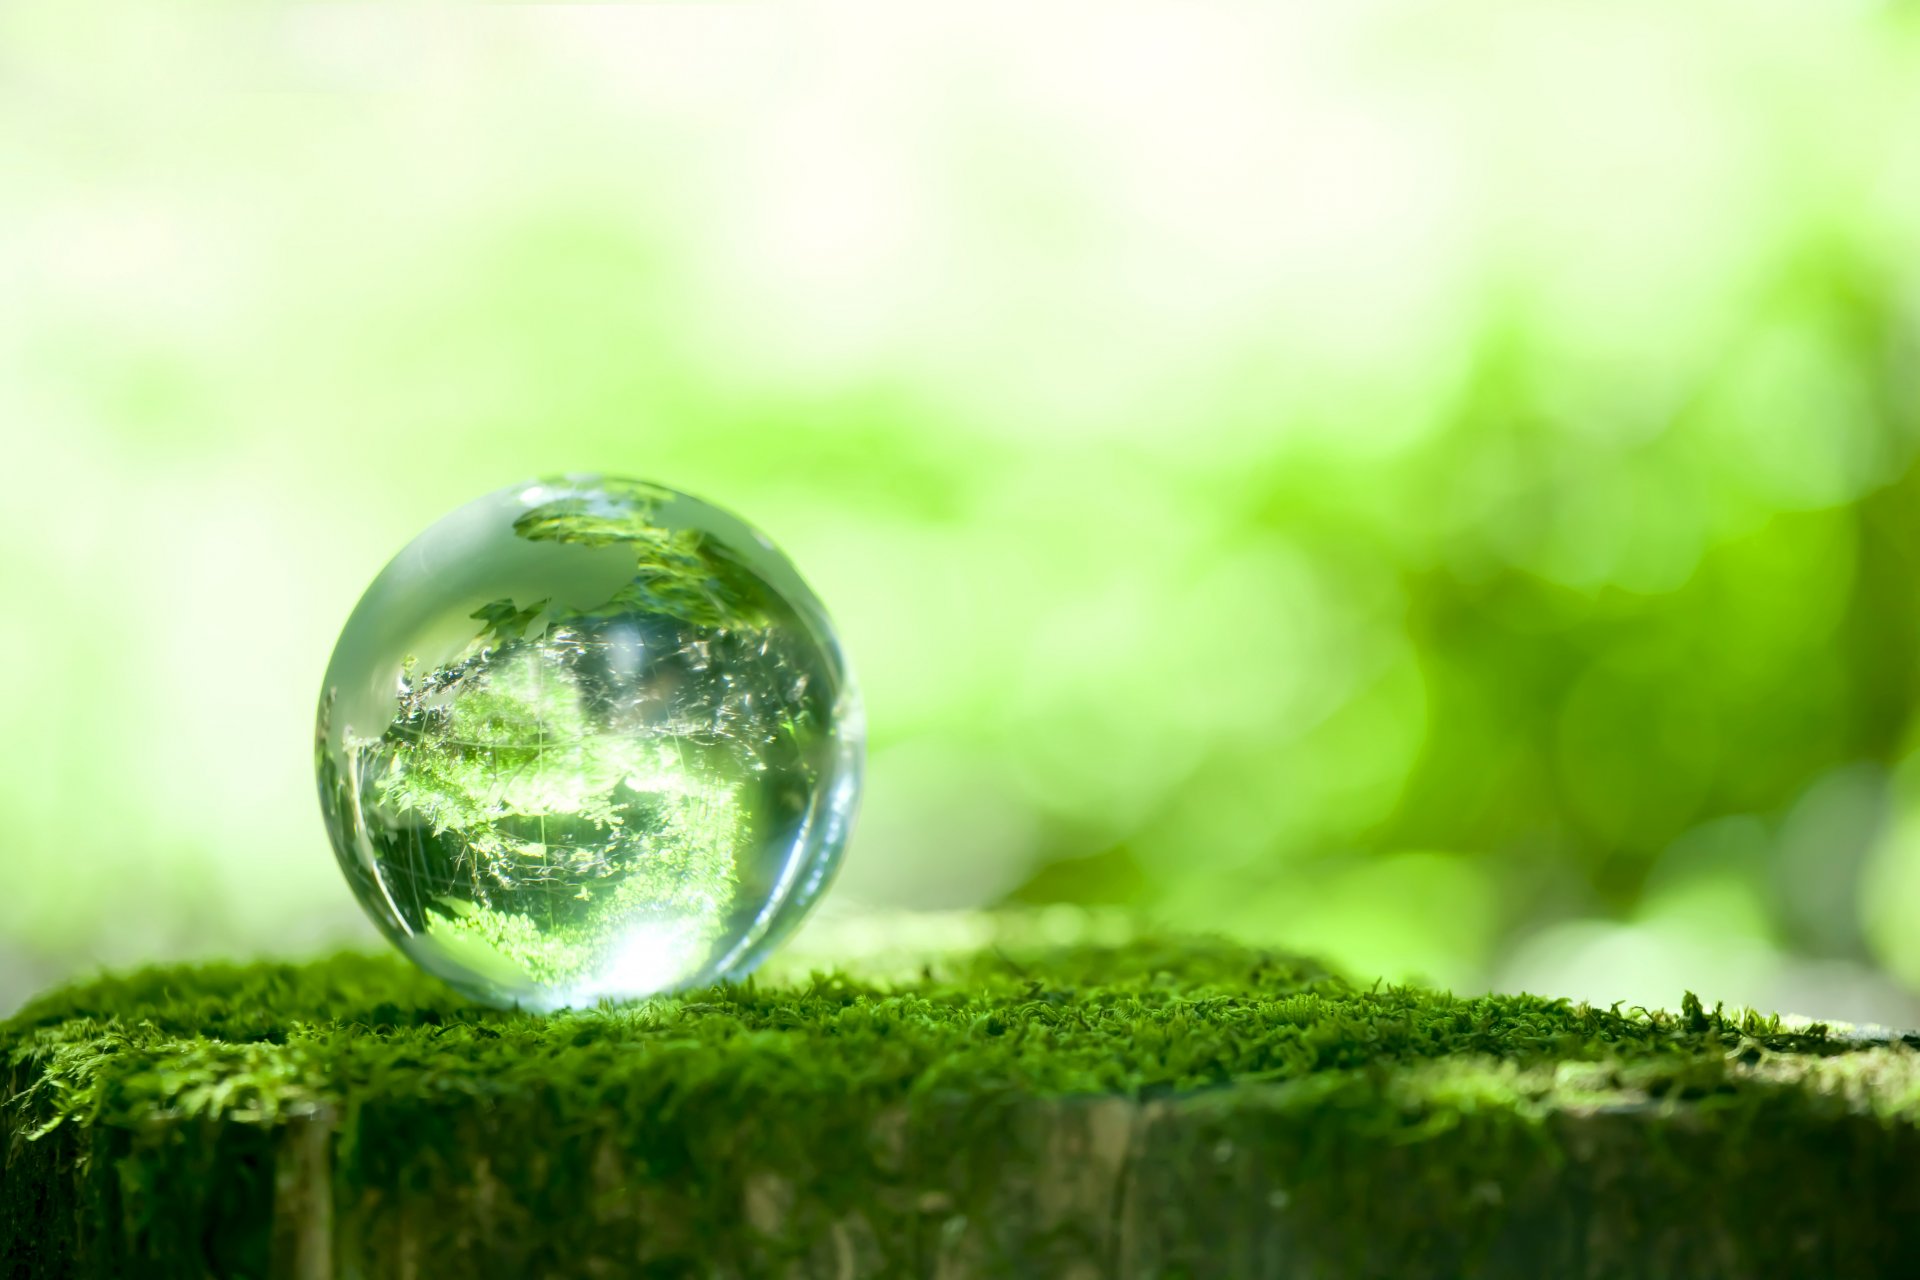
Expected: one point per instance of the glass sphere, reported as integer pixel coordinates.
(587, 738)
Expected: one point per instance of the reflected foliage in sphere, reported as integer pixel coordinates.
(587, 738)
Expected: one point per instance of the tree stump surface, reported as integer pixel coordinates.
(1156, 1109)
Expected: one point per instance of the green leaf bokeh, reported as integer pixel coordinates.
(1433, 485)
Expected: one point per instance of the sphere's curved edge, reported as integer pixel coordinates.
(588, 738)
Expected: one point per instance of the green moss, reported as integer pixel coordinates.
(263, 1038)
(137, 1102)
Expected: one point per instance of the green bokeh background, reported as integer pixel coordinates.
(1431, 484)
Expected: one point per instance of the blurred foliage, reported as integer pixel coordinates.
(1433, 484)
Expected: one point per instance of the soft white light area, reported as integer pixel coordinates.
(651, 958)
(941, 827)
(1654, 964)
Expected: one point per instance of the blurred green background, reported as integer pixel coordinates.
(1430, 484)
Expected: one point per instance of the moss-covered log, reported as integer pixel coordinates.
(1170, 1110)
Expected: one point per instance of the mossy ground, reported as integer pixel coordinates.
(149, 1118)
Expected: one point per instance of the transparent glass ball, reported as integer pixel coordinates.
(587, 738)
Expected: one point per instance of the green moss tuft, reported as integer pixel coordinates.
(146, 1107)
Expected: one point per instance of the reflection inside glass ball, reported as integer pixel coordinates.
(587, 738)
